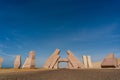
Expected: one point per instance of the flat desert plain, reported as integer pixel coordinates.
(60, 74)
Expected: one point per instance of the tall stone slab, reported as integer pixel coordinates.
(52, 60)
(70, 66)
(30, 62)
(1, 61)
(85, 61)
(74, 60)
(32, 57)
(17, 62)
(56, 65)
(90, 65)
(55, 59)
(109, 62)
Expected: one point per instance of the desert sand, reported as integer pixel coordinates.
(60, 74)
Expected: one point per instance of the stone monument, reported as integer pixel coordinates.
(87, 61)
(73, 60)
(109, 62)
(17, 62)
(54, 60)
(1, 61)
(30, 62)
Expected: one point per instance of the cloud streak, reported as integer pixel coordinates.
(98, 33)
(5, 54)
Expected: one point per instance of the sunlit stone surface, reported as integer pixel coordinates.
(30, 62)
(1, 61)
(71, 60)
(17, 63)
(109, 62)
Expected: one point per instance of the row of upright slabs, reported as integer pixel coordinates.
(72, 61)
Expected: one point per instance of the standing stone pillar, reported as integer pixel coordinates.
(56, 65)
(17, 63)
(74, 60)
(1, 61)
(89, 62)
(70, 65)
(32, 56)
(30, 62)
(52, 60)
(85, 61)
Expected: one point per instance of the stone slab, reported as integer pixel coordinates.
(109, 62)
(17, 62)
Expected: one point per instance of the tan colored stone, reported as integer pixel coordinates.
(74, 60)
(90, 65)
(56, 65)
(1, 61)
(63, 60)
(109, 62)
(17, 62)
(32, 54)
(30, 62)
(97, 65)
(70, 66)
(85, 62)
(52, 59)
(55, 59)
(26, 63)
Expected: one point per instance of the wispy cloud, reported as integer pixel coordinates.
(7, 38)
(2, 46)
(19, 46)
(5, 54)
(96, 33)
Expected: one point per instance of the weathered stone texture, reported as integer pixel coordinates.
(90, 65)
(54, 60)
(109, 62)
(30, 62)
(1, 61)
(17, 62)
(85, 62)
(74, 60)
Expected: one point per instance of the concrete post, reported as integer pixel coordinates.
(89, 62)
(17, 62)
(85, 61)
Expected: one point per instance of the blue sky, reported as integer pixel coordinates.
(89, 27)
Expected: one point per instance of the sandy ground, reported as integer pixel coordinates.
(60, 74)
